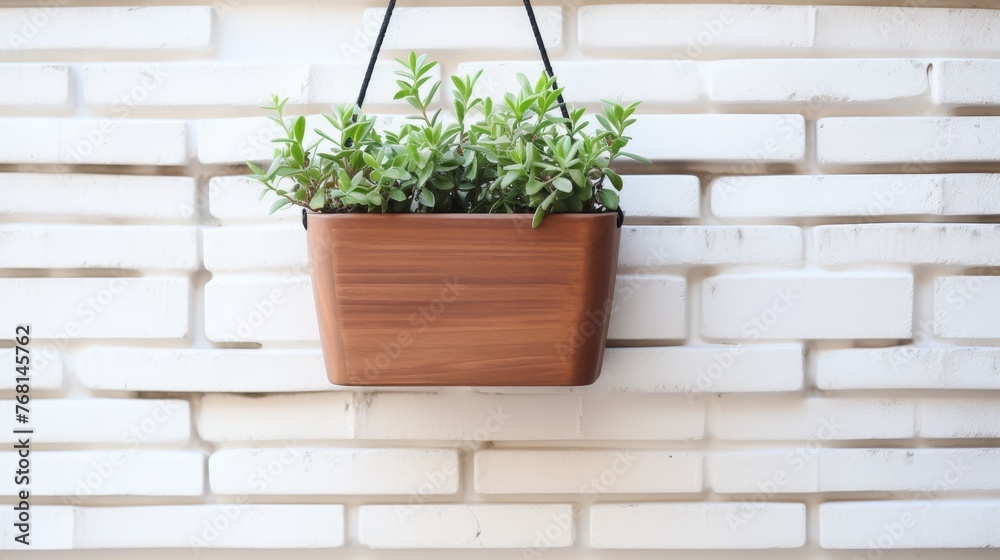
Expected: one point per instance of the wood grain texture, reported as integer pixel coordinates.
(463, 299)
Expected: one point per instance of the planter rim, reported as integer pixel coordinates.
(458, 216)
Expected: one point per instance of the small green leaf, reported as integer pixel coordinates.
(562, 184)
(374, 198)
(547, 203)
(509, 178)
(278, 205)
(297, 155)
(539, 216)
(608, 198)
(426, 197)
(397, 195)
(534, 186)
(253, 167)
(396, 174)
(636, 157)
(318, 199)
(300, 128)
(616, 180)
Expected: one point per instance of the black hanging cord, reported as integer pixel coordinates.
(534, 31)
(545, 55)
(375, 51)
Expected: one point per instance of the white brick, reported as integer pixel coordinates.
(908, 139)
(908, 470)
(469, 417)
(898, 28)
(465, 526)
(958, 418)
(107, 421)
(965, 306)
(115, 368)
(306, 471)
(338, 83)
(30, 140)
(45, 367)
(137, 247)
(235, 84)
(660, 196)
(816, 81)
(235, 199)
(225, 418)
(690, 29)
(126, 197)
(814, 419)
(967, 82)
(648, 307)
(254, 526)
(34, 85)
(711, 369)
(764, 472)
(126, 28)
(856, 195)
(587, 472)
(592, 81)
(615, 416)
(908, 367)
(93, 141)
(233, 141)
(900, 524)
(776, 306)
(195, 84)
(274, 308)
(697, 526)
(650, 247)
(51, 528)
(81, 474)
(941, 244)
(732, 138)
(274, 246)
(120, 307)
(468, 28)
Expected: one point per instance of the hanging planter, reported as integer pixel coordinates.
(478, 252)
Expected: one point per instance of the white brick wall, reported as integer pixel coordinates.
(98, 197)
(155, 28)
(803, 340)
(696, 526)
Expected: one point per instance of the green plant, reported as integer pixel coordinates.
(517, 155)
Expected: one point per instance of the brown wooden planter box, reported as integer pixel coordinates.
(463, 299)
